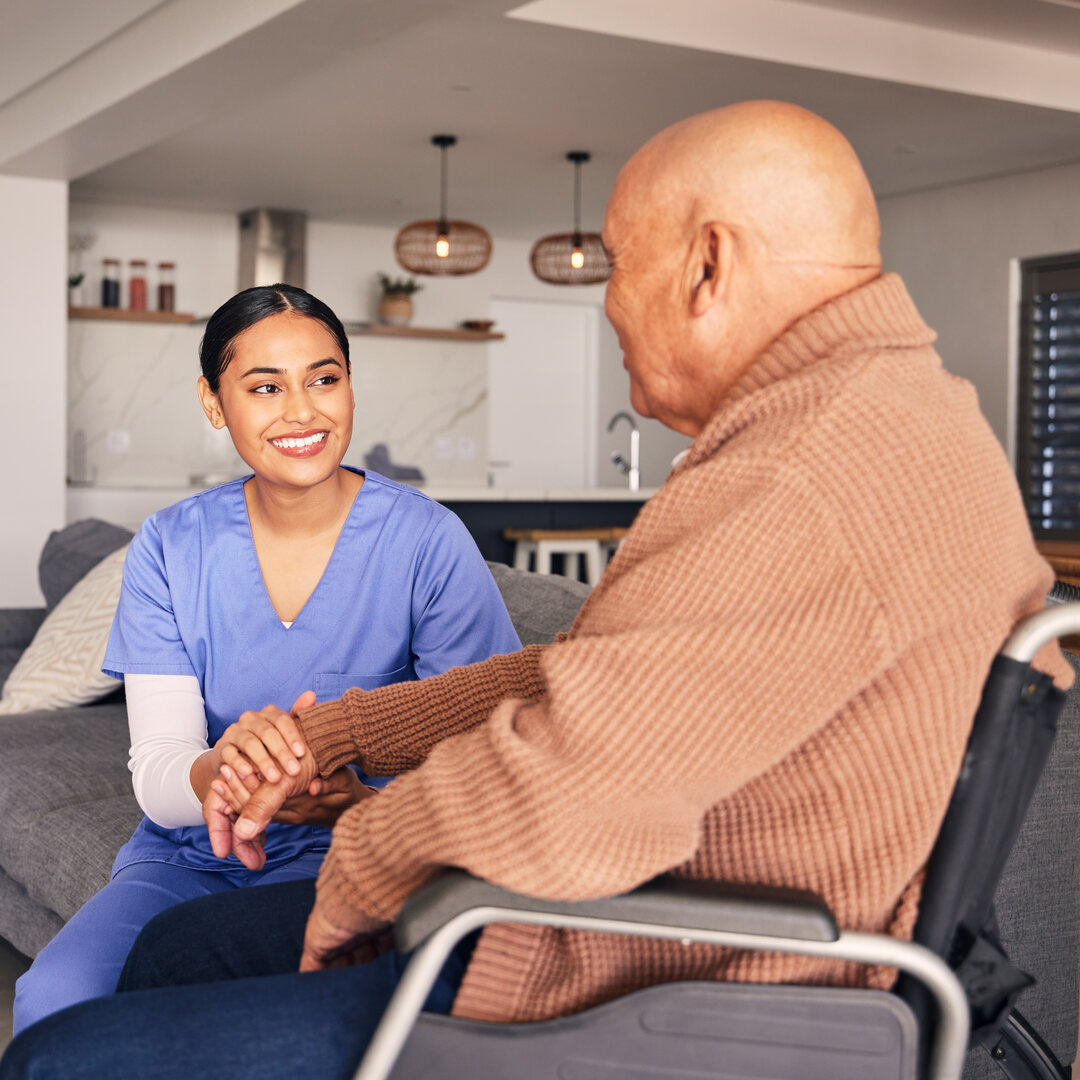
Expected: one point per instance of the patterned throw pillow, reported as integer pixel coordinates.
(62, 665)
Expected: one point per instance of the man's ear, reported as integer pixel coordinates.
(712, 257)
(211, 403)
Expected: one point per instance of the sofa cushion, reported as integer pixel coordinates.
(62, 665)
(82, 842)
(65, 800)
(70, 553)
(17, 629)
(540, 605)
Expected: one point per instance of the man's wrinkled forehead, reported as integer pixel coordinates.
(641, 201)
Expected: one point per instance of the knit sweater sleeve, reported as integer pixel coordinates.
(693, 684)
(392, 729)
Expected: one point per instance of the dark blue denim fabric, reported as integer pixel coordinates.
(265, 1026)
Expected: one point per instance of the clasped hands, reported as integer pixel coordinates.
(267, 773)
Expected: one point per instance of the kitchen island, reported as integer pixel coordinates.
(486, 511)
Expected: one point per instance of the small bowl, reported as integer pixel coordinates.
(478, 324)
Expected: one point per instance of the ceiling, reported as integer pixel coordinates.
(328, 105)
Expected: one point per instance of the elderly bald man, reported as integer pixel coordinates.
(773, 681)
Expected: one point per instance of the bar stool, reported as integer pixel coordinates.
(609, 546)
(592, 546)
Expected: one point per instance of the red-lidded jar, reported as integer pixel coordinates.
(137, 285)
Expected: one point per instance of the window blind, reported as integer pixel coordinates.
(1048, 428)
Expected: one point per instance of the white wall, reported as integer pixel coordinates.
(33, 274)
(953, 248)
(342, 264)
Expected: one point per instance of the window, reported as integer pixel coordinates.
(1048, 424)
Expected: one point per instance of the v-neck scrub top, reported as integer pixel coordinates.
(405, 594)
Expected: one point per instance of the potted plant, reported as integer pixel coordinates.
(78, 242)
(395, 304)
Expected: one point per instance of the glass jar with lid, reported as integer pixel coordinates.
(137, 285)
(166, 290)
(110, 283)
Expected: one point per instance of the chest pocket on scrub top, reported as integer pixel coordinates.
(329, 686)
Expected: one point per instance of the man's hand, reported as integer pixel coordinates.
(325, 800)
(338, 936)
(322, 804)
(219, 817)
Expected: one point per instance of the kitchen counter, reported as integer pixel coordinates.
(486, 494)
(497, 508)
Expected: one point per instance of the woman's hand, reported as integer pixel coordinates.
(268, 743)
(241, 748)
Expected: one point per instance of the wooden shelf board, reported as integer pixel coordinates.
(434, 332)
(124, 315)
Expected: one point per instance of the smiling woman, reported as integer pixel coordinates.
(290, 585)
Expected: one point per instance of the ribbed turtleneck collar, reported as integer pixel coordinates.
(878, 315)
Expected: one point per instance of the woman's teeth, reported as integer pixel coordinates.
(293, 444)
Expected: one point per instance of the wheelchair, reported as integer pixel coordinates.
(956, 988)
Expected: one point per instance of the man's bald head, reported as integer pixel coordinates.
(768, 166)
(726, 228)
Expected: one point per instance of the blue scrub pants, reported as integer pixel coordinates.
(273, 1026)
(85, 959)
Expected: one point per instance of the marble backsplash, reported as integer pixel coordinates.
(134, 419)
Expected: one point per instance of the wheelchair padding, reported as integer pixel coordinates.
(1011, 737)
(745, 909)
(1038, 901)
(703, 1031)
(1010, 742)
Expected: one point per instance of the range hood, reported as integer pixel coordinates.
(273, 248)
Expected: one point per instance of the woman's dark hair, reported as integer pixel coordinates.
(247, 308)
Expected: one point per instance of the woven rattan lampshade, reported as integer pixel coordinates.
(574, 258)
(443, 247)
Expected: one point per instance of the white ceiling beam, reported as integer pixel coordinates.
(811, 36)
(46, 129)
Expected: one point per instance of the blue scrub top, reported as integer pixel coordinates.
(406, 594)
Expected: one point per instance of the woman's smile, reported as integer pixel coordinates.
(300, 443)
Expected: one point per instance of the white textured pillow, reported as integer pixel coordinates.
(62, 665)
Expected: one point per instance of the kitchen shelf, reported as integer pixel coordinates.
(124, 315)
(436, 332)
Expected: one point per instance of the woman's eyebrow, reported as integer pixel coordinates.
(282, 371)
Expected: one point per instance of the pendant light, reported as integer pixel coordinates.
(443, 246)
(575, 258)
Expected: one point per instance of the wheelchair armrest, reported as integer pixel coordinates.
(663, 902)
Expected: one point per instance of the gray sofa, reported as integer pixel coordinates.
(66, 805)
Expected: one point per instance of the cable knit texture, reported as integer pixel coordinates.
(773, 681)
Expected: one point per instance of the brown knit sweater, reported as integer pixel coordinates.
(773, 681)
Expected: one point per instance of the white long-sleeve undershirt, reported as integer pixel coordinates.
(167, 722)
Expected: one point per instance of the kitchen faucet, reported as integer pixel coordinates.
(631, 468)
